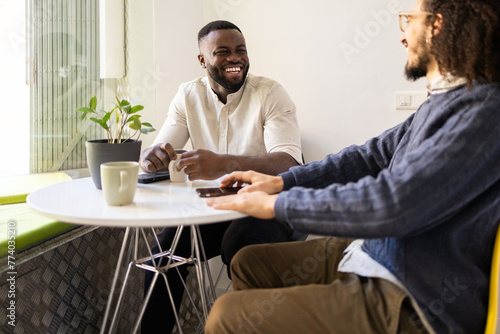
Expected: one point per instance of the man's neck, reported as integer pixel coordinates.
(432, 71)
(218, 90)
(433, 74)
(221, 92)
(222, 96)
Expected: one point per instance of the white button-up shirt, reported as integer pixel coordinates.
(259, 118)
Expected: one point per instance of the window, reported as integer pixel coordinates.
(14, 93)
(52, 69)
(62, 74)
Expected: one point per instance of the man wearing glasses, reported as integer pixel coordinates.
(422, 201)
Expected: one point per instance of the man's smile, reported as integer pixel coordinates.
(233, 70)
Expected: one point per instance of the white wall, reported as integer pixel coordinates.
(341, 62)
(163, 39)
(342, 80)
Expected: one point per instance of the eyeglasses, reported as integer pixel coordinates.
(405, 18)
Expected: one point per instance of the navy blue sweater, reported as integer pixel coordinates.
(426, 197)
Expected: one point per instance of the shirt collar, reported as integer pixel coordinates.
(445, 83)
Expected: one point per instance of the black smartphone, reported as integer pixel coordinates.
(153, 177)
(215, 192)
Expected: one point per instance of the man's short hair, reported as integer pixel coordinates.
(215, 25)
(468, 44)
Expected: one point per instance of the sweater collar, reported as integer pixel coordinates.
(445, 83)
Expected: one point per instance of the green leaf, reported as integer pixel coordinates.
(135, 109)
(107, 116)
(125, 105)
(132, 118)
(93, 102)
(118, 117)
(147, 124)
(136, 124)
(101, 122)
(85, 109)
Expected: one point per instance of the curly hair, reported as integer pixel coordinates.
(215, 25)
(468, 45)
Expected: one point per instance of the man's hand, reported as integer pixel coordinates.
(257, 182)
(202, 165)
(256, 203)
(157, 157)
(256, 199)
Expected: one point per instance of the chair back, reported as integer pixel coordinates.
(492, 319)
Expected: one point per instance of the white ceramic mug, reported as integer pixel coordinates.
(119, 181)
(177, 175)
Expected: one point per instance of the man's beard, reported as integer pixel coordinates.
(218, 77)
(418, 70)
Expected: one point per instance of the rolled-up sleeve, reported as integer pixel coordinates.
(281, 128)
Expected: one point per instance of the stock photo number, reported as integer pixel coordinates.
(11, 272)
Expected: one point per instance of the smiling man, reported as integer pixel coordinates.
(235, 121)
(422, 201)
(226, 68)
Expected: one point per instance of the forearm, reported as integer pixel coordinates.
(350, 164)
(269, 163)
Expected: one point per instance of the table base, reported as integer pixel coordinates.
(153, 263)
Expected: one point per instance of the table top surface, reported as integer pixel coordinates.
(155, 205)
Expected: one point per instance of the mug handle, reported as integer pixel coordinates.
(123, 181)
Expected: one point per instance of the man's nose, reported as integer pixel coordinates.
(402, 39)
(233, 57)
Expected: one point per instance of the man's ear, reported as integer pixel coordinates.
(201, 59)
(437, 25)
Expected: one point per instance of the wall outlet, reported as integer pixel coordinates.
(409, 100)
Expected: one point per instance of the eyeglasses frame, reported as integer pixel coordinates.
(411, 14)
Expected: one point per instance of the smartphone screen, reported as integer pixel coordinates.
(215, 192)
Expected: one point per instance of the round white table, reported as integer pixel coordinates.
(155, 205)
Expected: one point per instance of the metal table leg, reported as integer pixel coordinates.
(115, 279)
(153, 263)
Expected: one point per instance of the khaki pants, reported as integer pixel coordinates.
(295, 288)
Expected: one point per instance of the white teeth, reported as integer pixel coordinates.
(233, 69)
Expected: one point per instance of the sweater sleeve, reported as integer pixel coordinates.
(350, 164)
(448, 156)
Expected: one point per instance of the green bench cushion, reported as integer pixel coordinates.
(32, 228)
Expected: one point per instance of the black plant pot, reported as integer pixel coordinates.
(100, 151)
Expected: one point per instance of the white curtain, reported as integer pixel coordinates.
(63, 74)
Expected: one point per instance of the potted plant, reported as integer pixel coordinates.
(123, 129)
